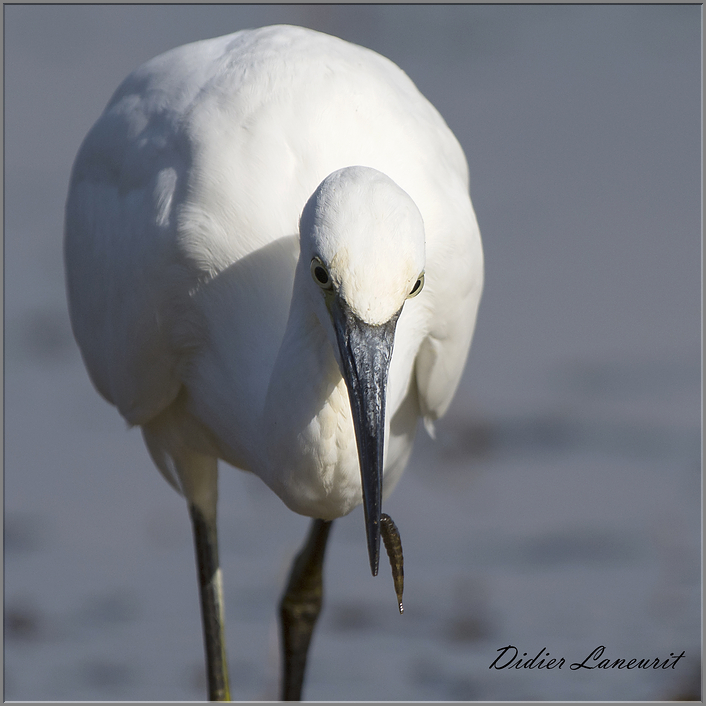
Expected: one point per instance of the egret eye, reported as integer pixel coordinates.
(320, 274)
(418, 286)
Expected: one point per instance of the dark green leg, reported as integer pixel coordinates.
(211, 592)
(300, 607)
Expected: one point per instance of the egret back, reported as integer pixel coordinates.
(182, 221)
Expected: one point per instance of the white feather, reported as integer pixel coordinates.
(182, 250)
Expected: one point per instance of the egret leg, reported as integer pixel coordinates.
(300, 607)
(211, 593)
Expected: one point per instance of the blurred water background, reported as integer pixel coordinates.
(559, 507)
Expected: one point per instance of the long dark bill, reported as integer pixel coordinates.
(366, 351)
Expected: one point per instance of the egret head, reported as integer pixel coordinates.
(367, 236)
(363, 238)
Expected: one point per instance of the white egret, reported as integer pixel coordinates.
(251, 225)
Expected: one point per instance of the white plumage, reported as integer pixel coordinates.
(190, 285)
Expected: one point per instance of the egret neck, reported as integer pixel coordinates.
(361, 257)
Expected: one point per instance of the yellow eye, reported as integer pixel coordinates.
(320, 274)
(418, 286)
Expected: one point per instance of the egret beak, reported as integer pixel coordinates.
(365, 352)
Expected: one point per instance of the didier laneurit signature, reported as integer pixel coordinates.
(509, 659)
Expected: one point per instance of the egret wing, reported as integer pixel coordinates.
(126, 280)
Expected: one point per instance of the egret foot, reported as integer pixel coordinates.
(300, 607)
(211, 593)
